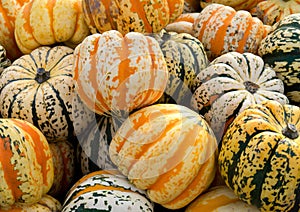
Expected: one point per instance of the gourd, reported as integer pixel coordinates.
(219, 198)
(185, 57)
(26, 165)
(105, 190)
(117, 74)
(168, 150)
(222, 29)
(39, 88)
(236, 4)
(4, 61)
(232, 82)
(281, 51)
(259, 157)
(144, 16)
(44, 23)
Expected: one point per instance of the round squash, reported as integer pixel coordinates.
(64, 161)
(4, 61)
(259, 157)
(272, 11)
(117, 74)
(93, 144)
(105, 191)
(46, 22)
(130, 15)
(222, 29)
(231, 83)
(219, 198)
(169, 151)
(8, 12)
(185, 57)
(39, 88)
(26, 165)
(236, 4)
(46, 204)
(281, 51)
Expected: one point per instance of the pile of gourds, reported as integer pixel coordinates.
(152, 105)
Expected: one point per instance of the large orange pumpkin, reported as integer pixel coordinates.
(130, 15)
(116, 74)
(8, 12)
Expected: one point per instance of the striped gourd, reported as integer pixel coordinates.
(117, 74)
(44, 23)
(185, 57)
(219, 198)
(4, 61)
(26, 165)
(281, 51)
(272, 11)
(92, 147)
(130, 15)
(47, 203)
(64, 162)
(236, 4)
(105, 191)
(231, 83)
(259, 157)
(222, 29)
(167, 150)
(39, 88)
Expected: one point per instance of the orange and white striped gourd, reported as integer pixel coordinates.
(116, 74)
(26, 165)
(169, 151)
(48, 22)
(222, 29)
(130, 15)
(236, 4)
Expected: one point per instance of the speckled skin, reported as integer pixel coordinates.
(222, 29)
(26, 166)
(47, 22)
(272, 11)
(130, 15)
(258, 161)
(168, 150)
(236, 4)
(52, 105)
(281, 51)
(106, 191)
(185, 57)
(117, 74)
(225, 88)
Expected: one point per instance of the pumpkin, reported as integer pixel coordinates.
(219, 198)
(105, 191)
(117, 74)
(8, 12)
(44, 23)
(190, 6)
(39, 88)
(272, 11)
(168, 150)
(4, 61)
(232, 82)
(281, 51)
(130, 15)
(47, 203)
(26, 165)
(222, 29)
(259, 157)
(92, 148)
(63, 155)
(185, 57)
(236, 4)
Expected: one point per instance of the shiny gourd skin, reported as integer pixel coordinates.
(259, 157)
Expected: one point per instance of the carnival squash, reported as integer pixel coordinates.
(169, 151)
(259, 157)
(117, 74)
(26, 165)
(236, 4)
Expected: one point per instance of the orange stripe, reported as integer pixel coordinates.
(50, 5)
(110, 19)
(138, 7)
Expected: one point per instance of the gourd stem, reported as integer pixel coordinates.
(251, 86)
(290, 131)
(42, 75)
